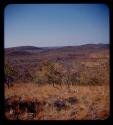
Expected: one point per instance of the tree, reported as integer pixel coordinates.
(10, 74)
(49, 73)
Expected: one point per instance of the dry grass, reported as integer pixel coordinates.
(93, 101)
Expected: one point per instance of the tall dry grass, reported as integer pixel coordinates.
(93, 101)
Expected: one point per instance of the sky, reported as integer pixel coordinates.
(47, 25)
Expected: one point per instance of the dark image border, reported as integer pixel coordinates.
(3, 121)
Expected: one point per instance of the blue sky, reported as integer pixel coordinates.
(55, 24)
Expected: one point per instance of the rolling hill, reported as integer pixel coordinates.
(30, 57)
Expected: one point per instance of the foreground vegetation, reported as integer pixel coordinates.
(76, 103)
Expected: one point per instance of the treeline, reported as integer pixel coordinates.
(13, 74)
(58, 73)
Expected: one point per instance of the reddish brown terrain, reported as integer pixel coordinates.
(57, 83)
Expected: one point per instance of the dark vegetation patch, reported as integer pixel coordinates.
(16, 106)
(72, 100)
(60, 104)
(64, 103)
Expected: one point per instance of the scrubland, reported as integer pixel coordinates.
(67, 83)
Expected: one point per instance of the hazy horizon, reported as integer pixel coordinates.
(55, 25)
(58, 46)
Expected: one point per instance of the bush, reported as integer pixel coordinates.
(94, 81)
(10, 71)
(43, 73)
(49, 73)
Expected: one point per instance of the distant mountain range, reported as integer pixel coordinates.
(29, 49)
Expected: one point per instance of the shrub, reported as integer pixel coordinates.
(10, 71)
(49, 73)
(94, 81)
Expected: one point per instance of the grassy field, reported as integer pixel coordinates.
(92, 102)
